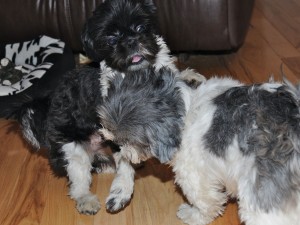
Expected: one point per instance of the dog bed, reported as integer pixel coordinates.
(31, 69)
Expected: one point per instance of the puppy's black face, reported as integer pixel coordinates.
(122, 32)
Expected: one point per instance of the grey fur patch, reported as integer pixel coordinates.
(102, 163)
(145, 110)
(27, 129)
(267, 125)
(229, 114)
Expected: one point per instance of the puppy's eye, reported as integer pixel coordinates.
(140, 28)
(112, 40)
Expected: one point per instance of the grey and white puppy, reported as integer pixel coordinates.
(224, 139)
(144, 112)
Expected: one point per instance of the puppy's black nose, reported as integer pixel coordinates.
(131, 42)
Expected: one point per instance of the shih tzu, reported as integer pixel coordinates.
(120, 35)
(123, 34)
(223, 139)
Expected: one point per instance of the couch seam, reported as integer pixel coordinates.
(69, 20)
(228, 25)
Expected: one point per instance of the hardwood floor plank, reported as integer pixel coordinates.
(277, 14)
(208, 65)
(153, 183)
(293, 63)
(290, 7)
(103, 217)
(281, 46)
(22, 192)
(162, 193)
(13, 157)
(257, 61)
(296, 2)
(59, 208)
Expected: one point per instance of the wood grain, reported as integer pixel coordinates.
(30, 194)
(282, 15)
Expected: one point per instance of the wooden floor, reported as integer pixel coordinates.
(30, 194)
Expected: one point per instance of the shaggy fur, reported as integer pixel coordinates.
(130, 113)
(236, 141)
(122, 34)
(66, 124)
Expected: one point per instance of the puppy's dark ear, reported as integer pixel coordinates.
(166, 135)
(150, 6)
(166, 78)
(88, 43)
(114, 84)
(165, 152)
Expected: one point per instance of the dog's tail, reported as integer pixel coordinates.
(32, 115)
(293, 89)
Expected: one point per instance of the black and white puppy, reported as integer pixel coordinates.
(226, 140)
(66, 124)
(122, 35)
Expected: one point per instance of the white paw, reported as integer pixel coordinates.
(118, 199)
(190, 215)
(185, 213)
(192, 78)
(88, 204)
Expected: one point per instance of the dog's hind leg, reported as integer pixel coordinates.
(204, 191)
(252, 215)
(122, 186)
(79, 173)
(205, 206)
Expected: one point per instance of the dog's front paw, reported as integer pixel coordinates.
(117, 199)
(185, 213)
(190, 215)
(88, 204)
(192, 78)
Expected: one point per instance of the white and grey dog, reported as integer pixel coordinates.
(224, 139)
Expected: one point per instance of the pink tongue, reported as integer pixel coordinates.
(136, 58)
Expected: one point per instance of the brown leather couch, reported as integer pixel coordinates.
(187, 25)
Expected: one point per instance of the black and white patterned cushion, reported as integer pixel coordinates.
(31, 56)
(43, 60)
